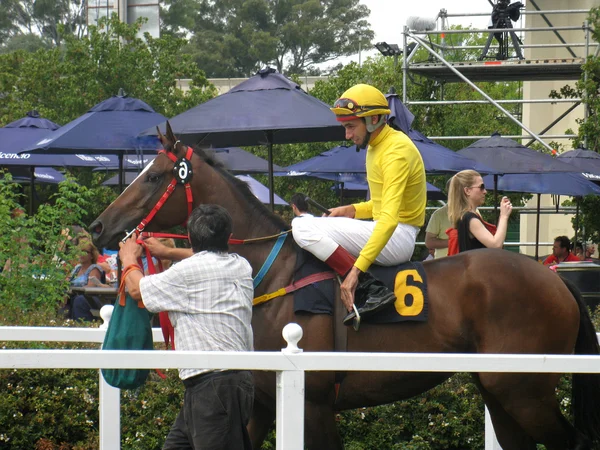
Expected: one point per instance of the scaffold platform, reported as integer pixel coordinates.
(508, 70)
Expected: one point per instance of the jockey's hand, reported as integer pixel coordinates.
(348, 288)
(342, 211)
(130, 251)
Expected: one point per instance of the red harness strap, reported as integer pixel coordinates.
(169, 191)
(165, 323)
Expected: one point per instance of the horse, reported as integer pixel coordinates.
(482, 301)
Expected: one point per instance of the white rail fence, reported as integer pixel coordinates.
(290, 366)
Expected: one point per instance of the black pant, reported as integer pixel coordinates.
(216, 409)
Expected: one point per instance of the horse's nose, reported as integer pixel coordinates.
(96, 230)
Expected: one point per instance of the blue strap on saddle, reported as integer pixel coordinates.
(270, 259)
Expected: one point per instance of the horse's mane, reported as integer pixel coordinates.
(257, 208)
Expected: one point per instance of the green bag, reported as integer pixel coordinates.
(129, 329)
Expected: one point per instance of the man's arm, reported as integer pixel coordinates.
(433, 242)
(129, 252)
(161, 251)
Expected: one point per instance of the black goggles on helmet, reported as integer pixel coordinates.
(349, 104)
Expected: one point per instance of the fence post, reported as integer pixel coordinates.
(491, 443)
(290, 397)
(109, 400)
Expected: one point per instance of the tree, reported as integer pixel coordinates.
(50, 19)
(63, 83)
(27, 42)
(233, 38)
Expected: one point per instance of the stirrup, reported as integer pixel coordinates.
(353, 316)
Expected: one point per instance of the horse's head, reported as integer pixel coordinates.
(136, 202)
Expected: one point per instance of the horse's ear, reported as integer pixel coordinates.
(161, 137)
(170, 135)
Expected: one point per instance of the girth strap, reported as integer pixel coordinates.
(314, 278)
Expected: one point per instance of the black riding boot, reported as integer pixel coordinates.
(370, 296)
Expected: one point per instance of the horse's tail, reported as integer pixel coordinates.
(586, 387)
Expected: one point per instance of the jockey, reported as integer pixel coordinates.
(396, 177)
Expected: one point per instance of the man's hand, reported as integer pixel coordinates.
(348, 288)
(130, 251)
(342, 211)
(157, 248)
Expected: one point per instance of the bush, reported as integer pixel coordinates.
(34, 251)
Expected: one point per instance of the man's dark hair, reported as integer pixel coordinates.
(563, 241)
(209, 227)
(299, 200)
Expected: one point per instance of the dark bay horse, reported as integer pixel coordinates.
(484, 301)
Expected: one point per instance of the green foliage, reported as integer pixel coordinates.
(51, 19)
(448, 417)
(234, 38)
(33, 250)
(63, 83)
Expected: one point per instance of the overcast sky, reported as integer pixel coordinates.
(388, 17)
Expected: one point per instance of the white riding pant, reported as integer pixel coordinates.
(322, 235)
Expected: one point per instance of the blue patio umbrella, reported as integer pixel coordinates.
(587, 161)
(400, 117)
(266, 109)
(259, 190)
(234, 159)
(508, 156)
(343, 159)
(571, 184)
(41, 175)
(110, 127)
(360, 189)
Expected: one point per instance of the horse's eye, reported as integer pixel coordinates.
(153, 177)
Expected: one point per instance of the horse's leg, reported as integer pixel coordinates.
(321, 428)
(529, 401)
(508, 432)
(260, 423)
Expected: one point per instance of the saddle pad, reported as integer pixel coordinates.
(316, 298)
(409, 283)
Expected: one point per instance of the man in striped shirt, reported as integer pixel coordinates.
(209, 300)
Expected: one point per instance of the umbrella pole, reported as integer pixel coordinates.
(32, 188)
(271, 188)
(576, 219)
(121, 174)
(342, 193)
(537, 227)
(496, 212)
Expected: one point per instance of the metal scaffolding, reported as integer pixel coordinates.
(472, 71)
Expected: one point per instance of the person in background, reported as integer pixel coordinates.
(300, 205)
(429, 255)
(209, 300)
(436, 238)
(467, 193)
(561, 252)
(86, 273)
(584, 255)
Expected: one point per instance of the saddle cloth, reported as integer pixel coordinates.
(407, 280)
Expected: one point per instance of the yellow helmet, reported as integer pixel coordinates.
(361, 100)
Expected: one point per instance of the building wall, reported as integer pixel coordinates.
(538, 116)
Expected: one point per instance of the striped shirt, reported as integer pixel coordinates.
(209, 300)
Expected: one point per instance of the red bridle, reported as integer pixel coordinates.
(182, 175)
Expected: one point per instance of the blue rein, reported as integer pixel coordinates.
(270, 259)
